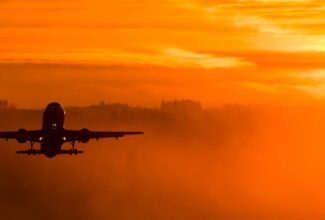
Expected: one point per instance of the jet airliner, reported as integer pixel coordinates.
(53, 134)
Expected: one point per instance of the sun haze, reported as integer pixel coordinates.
(230, 95)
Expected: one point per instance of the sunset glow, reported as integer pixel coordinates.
(228, 94)
(261, 48)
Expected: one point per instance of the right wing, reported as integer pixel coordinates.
(85, 134)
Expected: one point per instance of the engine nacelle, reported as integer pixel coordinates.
(22, 136)
(84, 135)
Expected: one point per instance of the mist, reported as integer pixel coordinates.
(228, 162)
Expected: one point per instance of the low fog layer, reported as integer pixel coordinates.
(231, 162)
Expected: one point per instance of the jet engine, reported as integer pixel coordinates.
(22, 136)
(84, 135)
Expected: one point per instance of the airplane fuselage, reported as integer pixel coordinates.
(53, 127)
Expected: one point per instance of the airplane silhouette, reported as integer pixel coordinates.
(53, 134)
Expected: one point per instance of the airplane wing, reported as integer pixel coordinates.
(23, 135)
(84, 135)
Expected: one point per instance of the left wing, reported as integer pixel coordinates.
(23, 135)
(84, 135)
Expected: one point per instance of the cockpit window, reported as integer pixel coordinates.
(54, 106)
(54, 126)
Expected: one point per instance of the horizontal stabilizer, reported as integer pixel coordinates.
(70, 152)
(34, 152)
(29, 152)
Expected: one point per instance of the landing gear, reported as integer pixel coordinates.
(73, 144)
(73, 150)
(31, 152)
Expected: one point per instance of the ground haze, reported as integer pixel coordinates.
(232, 162)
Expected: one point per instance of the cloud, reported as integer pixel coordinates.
(254, 41)
(170, 57)
(188, 58)
(289, 25)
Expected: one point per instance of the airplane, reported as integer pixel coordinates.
(53, 134)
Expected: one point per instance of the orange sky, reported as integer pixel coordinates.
(221, 51)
